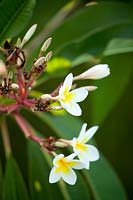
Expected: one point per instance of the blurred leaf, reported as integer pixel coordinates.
(104, 182)
(1, 181)
(15, 15)
(14, 187)
(46, 9)
(119, 46)
(110, 89)
(39, 176)
(58, 66)
(95, 44)
(85, 23)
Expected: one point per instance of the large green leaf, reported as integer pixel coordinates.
(14, 187)
(46, 9)
(1, 181)
(62, 127)
(95, 44)
(86, 23)
(14, 16)
(39, 175)
(110, 89)
(119, 46)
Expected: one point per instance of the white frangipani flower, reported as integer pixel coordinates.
(68, 99)
(85, 152)
(97, 72)
(63, 168)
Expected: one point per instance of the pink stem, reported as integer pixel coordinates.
(26, 130)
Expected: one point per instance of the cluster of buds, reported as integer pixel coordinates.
(16, 83)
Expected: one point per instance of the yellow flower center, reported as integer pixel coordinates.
(68, 97)
(80, 146)
(64, 166)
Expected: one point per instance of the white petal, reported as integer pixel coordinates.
(89, 154)
(79, 94)
(93, 153)
(76, 164)
(87, 165)
(82, 132)
(72, 107)
(67, 83)
(83, 157)
(96, 72)
(58, 157)
(54, 176)
(70, 157)
(88, 134)
(69, 177)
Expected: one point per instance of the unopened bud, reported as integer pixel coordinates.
(90, 88)
(48, 56)
(39, 62)
(14, 86)
(46, 97)
(3, 70)
(28, 35)
(97, 72)
(46, 44)
(60, 144)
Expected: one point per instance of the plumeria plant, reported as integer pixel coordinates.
(16, 84)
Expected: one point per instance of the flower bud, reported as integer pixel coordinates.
(97, 72)
(39, 62)
(46, 97)
(90, 88)
(3, 70)
(46, 44)
(60, 144)
(14, 86)
(28, 35)
(48, 56)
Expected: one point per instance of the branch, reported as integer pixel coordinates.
(47, 143)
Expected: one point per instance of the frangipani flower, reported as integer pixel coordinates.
(63, 168)
(68, 99)
(85, 152)
(96, 72)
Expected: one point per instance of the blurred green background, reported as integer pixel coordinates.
(84, 33)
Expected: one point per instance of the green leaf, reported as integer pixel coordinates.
(119, 46)
(14, 187)
(14, 15)
(85, 23)
(104, 182)
(95, 44)
(46, 11)
(39, 176)
(111, 88)
(1, 181)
